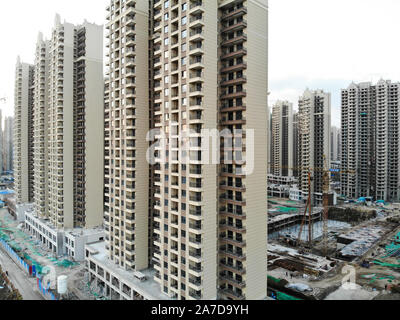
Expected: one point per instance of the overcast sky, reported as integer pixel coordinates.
(320, 44)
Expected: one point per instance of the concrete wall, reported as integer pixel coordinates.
(94, 127)
(257, 119)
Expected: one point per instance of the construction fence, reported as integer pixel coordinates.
(31, 270)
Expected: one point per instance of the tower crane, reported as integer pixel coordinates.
(325, 200)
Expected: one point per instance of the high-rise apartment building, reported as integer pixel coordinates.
(209, 50)
(1, 142)
(23, 151)
(314, 140)
(208, 68)
(296, 158)
(59, 138)
(74, 122)
(370, 127)
(8, 143)
(282, 160)
(335, 143)
(126, 127)
(40, 125)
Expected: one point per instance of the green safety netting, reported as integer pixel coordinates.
(383, 264)
(274, 279)
(393, 249)
(375, 277)
(284, 296)
(14, 245)
(4, 236)
(65, 263)
(286, 209)
(281, 295)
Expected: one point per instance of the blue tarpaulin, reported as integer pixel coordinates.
(6, 192)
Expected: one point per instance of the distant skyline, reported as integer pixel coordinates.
(313, 44)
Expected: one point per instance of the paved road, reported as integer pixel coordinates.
(26, 286)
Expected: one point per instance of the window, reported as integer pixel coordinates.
(166, 79)
(183, 48)
(166, 4)
(184, 21)
(166, 54)
(166, 41)
(184, 7)
(183, 34)
(166, 29)
(166, 17)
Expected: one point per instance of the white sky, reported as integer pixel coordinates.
(320, 44)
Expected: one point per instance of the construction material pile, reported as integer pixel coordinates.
(360, 241)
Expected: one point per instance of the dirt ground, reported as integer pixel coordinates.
(357, 293)
(370, 283)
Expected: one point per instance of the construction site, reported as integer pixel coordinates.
(311, 253)
(43, 262)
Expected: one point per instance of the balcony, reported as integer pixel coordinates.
(233, 281)
(234, 13)
(233, 294)
(196, 7)
(234, 27)
(233, 41)
(233, 68)
(236, 255)
(232, 268)
(196, 241)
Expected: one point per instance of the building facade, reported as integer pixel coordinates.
(59, 138)
(336, 137)
(296, 145)
(282, 160)
(8, 144)
(2, 160)
(126, 127)
(370, 144)
(40, 125)
(314, 141)
(23, 152)
(75, 126)
(208, 65)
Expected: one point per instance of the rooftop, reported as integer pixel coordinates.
(150, 289)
